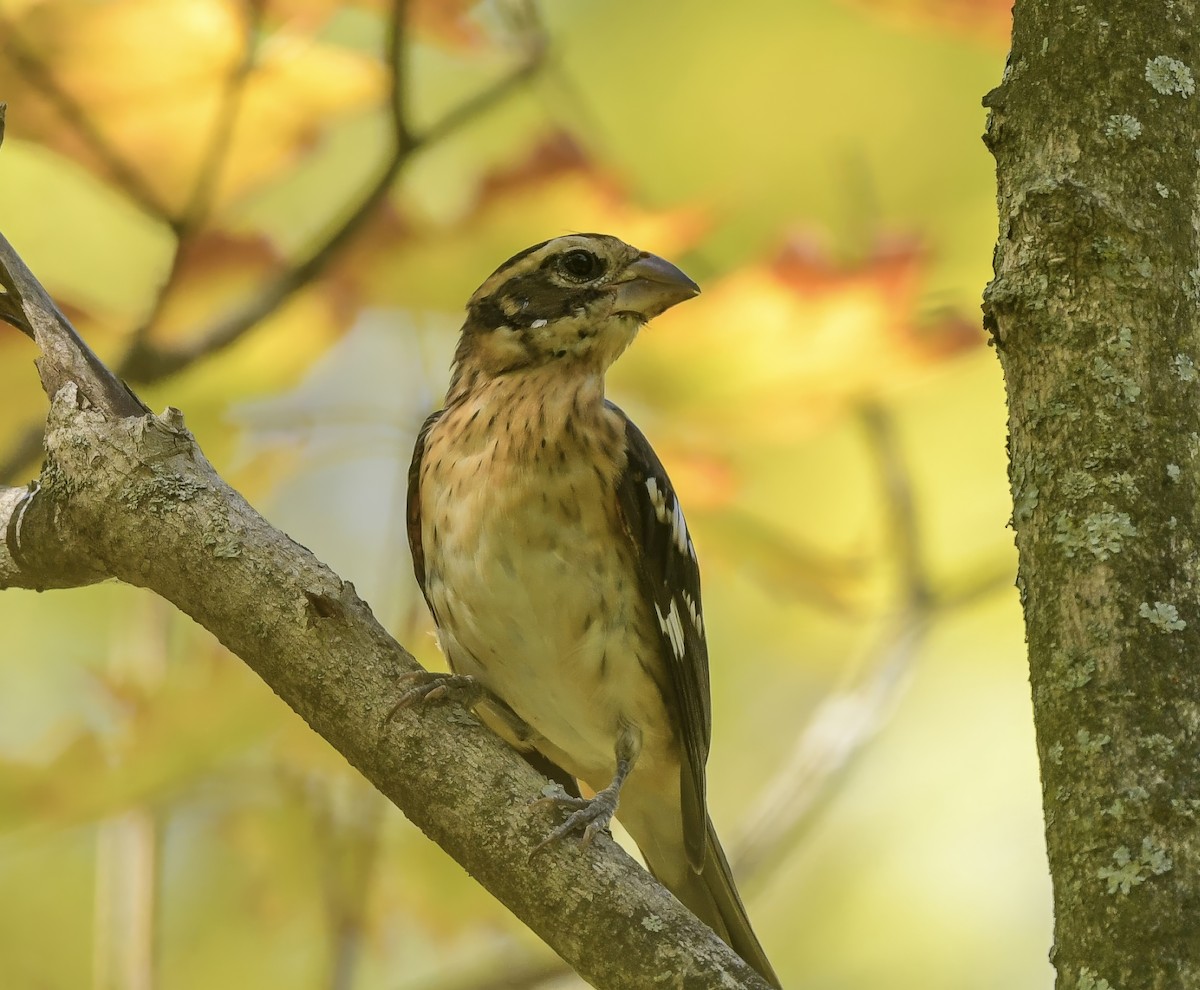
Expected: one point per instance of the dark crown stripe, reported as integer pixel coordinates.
(517, 258)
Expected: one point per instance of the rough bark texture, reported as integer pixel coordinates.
(129, 496)
(1094, 311)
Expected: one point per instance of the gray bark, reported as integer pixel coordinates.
(1094, 311)
(128, 495)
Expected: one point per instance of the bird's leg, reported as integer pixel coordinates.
(420, 686)
(594, 814)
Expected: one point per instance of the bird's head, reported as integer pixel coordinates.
(579, 300)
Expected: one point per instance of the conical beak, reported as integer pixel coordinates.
(651, 285)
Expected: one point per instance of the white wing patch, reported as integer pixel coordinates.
(657, 499)
(672, 628)
(694, 613)
(682, 540)
(679, 531)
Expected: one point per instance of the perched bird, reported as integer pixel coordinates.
(554, 556)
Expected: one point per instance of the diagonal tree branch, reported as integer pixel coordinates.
(65, 357)
(128, 495)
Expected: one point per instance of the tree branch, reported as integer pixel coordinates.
(128, 495)
(65, 357)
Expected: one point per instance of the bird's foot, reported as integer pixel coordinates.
(421, 686)
(589, 815)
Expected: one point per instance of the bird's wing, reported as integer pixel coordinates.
(413, 514)
(669, 578)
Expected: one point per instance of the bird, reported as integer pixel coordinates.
(552, 551)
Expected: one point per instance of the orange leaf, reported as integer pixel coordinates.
(774, 349)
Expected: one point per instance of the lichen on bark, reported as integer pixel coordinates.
(1094, 312)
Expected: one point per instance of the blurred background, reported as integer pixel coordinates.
(269, 213)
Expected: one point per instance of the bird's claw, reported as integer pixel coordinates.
(422, 686)
(592, 815)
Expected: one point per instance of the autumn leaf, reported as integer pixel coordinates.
(775, 349)
(553, 188)
(987, 19)
(135, 91)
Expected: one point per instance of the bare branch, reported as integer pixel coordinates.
(147, 363)
(398, 90)
(832, 738)
(213, 158)
(123, 173)
(479, 104)
(846, 721)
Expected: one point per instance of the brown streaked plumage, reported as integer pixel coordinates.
(553, 554)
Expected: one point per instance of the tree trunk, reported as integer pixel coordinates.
(1093, 310)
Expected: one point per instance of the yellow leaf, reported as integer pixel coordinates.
(133, 89)
(774, 349)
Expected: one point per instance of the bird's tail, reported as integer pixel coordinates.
(712, 896)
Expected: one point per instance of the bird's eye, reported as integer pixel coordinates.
(581, 266)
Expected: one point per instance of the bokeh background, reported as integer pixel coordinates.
(268, 213)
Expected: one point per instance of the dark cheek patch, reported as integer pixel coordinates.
(486, 315)
(533, 297)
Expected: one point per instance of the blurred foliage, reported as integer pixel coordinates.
(816, 166)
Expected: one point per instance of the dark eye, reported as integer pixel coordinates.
(581, 266)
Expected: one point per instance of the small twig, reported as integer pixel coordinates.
(984, 580)
(834, 735)
(148, 363)
(212, 161)
(846, 721)
(351, 844)
(123, 173)
(398, 90)
(898, 496)
(468, 110)
(127, 875)
(213, 158)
